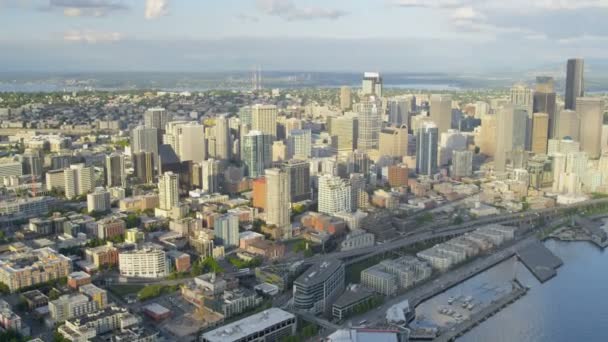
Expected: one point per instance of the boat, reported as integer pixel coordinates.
(451, 300)
(470, 306)
(468, 299)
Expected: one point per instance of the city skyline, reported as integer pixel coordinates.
(86, 35)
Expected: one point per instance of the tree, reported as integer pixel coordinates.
(132, 221)
(4, 289)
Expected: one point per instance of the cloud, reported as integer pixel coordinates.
(86, 8)
(288, 10)
(92, 37)
(248, 18)
(430, 3)
(156, 8)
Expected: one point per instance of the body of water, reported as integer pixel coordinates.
(572, 306)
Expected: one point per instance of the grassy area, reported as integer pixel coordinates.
(125, 290)
(153, 291)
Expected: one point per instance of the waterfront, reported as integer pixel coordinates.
(569, 307)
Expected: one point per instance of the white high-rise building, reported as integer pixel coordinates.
(190, 142)
(211, 175)
(264, 119)
(334, 195)
(147, 262)
(156, 117)
(371, 84)
(299, 144)
(278, 196)
(369, 123)
(223, 144)
(99, 200)
(74, 181)
(168, 191)
(226, 229)
(144, 139)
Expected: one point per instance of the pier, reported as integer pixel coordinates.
(539, 260)
(461, 328)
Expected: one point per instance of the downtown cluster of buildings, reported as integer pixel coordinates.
(155, 185)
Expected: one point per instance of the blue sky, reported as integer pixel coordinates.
(341, 35)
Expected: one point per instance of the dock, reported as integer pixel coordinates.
(539, 260)
(461, 328)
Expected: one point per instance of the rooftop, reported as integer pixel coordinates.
(247, 325)
(319, 272)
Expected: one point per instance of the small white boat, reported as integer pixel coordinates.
(451, 300)
(470, 306)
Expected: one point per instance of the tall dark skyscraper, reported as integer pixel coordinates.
(545, 100)
(575, 82)
(426, 149)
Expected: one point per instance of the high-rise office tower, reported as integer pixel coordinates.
(462, 163)
(426, 149)
(487, 137)
(334, 195)
(256, 153)
(223, 144)
(292, 124)
(157, 118)
(567, 124)
(344, 130)
(299, 144)
(190, 142)
(278, 200)
(74, 181)
(264, 119)
(545, 101)
(211, 175)
(144, 139)
(168, 190)
(393, 141)
(358, 198)
(299, 179)
(372, 84)
(197, 175)
(358, 162)
(369, 123)
(226, 230)
(32, 163)
(522, 97)
(511, 134)
(143, 165)
(279, 151)
(345, 98)
(245, 115)
(399, 109)
(441, 111)
(575, 82)
(115, 170)
(591, 113)
(540, 129)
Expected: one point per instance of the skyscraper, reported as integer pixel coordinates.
(441, 111)
(157, 118)
(426, 149)
(591, 113)
(168, 190)
(511, 133)
(190, 142)
(143, 165)
(264, 119)
(369, 123)
(393, 141)
(334, 195)
(372, 84)
(487, 143)
(144, 139)
(256, 153)
(399, 110)
(345, 98)
(223, 145)
(344, 130)
(575, 82)
(567, 124)
(115, 170)
(211, 175)
(278, 200)
(245, 115)
(226, 230)
(540, 129)
(299, 144)
(545, 101)
(299, 179)
(462, 163)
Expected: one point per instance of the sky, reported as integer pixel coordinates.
(306, 35)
